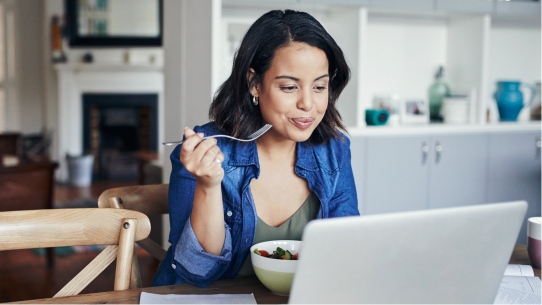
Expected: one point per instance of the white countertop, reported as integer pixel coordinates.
(429, 129)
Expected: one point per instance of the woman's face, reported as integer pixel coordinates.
(294, 94)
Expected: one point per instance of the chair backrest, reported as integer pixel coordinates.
(77, 227)
(149, 199)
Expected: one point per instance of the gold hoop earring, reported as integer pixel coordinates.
(255, 100)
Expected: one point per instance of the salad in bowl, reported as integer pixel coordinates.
(274, 263)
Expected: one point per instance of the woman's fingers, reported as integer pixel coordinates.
(200, 157)
(210, 155)
(188, 132)
(192, 140)
(220, 157)
(202, 148)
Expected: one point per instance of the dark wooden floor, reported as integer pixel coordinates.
(25, 276)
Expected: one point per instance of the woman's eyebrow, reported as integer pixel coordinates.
(287, 77)
(297, 79)
(325, 75)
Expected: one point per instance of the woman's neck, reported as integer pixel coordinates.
(276, 150)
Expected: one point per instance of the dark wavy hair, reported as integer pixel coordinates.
(232, 109)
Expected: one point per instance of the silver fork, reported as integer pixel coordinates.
(252, 137)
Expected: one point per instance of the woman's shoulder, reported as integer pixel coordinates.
(208, 129)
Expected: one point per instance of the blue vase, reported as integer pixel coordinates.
(510, 99)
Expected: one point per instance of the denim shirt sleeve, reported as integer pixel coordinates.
(192, 257)
(344, 201)
(190, 262)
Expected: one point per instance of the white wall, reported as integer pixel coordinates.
(514, 54)
(468, 47)
(25, 99)
(102, 56)
(403, 54)
(191, 51)
(52, 7)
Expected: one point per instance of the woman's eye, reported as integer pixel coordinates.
(320, 88)
(288, 88)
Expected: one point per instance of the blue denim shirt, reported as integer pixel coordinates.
(326, 167)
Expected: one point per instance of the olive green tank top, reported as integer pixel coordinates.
(291, 229)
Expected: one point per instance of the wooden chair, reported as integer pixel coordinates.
(152, 200)
(76, 227)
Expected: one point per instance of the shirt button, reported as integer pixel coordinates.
(229, 213)
(173, 266)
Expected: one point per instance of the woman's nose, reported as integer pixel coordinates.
(305, 101)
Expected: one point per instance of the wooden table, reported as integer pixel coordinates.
(521, 257)
(239, 286)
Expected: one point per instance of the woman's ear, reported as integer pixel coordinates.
(253, 82)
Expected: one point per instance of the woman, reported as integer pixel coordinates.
(226, 195)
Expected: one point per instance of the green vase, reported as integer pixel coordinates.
(437, 92)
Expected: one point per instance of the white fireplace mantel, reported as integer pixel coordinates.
(82, 67)
(76, 79)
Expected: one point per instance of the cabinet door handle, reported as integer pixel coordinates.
(537, 144)
(425, 152)
(438, 152)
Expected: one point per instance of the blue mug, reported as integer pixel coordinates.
(376, 116)
(510, 99)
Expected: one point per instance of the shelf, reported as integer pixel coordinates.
(491, 7)
(429, 129)
(396, 46)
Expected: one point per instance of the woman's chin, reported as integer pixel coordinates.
(301, 136)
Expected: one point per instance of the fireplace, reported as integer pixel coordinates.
(116, 127)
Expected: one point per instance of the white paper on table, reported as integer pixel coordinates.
(530, 284)
(512, 296)
(153, 298)
(520, 270)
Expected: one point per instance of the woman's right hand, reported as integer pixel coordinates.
(201, 158)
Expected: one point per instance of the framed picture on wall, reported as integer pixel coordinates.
(414, 111)
(104, 23)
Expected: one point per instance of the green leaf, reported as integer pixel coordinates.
(256, 251)
(280, 251)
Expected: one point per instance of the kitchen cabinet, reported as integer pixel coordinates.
(357, 151)
(418, 5)
(337, 2)
(419, 172)
(464, 6)
(458, 170)
(396, 174)
(514, 171)
(517, 8)
(440, 166)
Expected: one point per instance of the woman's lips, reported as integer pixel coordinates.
(302, 123)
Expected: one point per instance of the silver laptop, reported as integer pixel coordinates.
(453, 255)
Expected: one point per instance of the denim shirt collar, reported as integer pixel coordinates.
(245, 154)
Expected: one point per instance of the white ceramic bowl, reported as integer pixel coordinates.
(275, 274)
